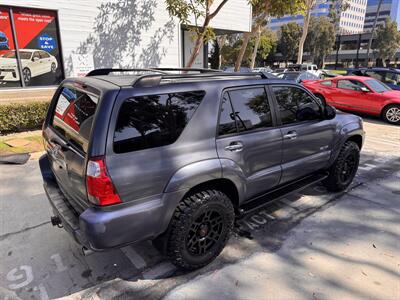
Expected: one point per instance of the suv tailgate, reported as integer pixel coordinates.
(67, 138)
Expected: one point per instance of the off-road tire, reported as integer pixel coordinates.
(394, 118)
(334, 181)
(185, 216)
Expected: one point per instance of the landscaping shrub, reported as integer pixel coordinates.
(16, 117)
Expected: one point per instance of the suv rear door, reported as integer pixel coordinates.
(67, 139)
(307, 137)
(247, 136)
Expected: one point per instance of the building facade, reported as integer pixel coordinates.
(42, 42)
(350, 21)
(388, 9)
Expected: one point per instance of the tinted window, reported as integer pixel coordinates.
(327, 82)
(377, 86)
(353, 85)
(377, 75)
(392, 78)
(251, 108)
(289, 76)
(44, 54)
(295, 105)
(73, 116)
(36, 55)
(154, 121)
(227, 123)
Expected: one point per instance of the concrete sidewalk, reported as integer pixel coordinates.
(350, 250)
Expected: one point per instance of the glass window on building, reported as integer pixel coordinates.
(9, 76)
(35, 58)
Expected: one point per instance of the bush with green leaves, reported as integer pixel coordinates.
(16, 117)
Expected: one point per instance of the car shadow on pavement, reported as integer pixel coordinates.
(60, 269)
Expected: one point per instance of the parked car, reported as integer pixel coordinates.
(389, 76)
(359, 94)
(4, 41)
(241, 70)
(297, 76)
(307, 68)
(263, 69)
(328, 74)
(175, 158)
(33, 63)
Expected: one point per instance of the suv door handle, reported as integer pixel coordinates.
(234, 147)
(291, 135)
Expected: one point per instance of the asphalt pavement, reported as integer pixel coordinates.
(269, 257)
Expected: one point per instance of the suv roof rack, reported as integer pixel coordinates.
(107, 71)
(200, 70)
(155, 75)
(148, 80)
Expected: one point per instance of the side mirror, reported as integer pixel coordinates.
(364, 89)
(330, 112)
(35, 58)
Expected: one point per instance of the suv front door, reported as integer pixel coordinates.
(307, 137)
(248, 139)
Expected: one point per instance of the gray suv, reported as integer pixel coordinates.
(175, 156)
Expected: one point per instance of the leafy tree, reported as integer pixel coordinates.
(321, 39)
(198, 9)
(263, 45)
(289, 40)
(336, 7)
(262, 10)
(309, 6)
(230, 52)
(387, 40)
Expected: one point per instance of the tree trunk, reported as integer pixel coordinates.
(246, 39)
(221, 42)
(304, 36)
(256, 44)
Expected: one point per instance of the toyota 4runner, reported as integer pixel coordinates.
(175, 156)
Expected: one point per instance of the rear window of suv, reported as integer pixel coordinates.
(73, 116)
(154, 121)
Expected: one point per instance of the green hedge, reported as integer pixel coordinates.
(17, 117)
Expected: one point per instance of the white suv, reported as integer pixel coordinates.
(307, 67)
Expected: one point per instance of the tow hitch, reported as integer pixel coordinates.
(56, 221)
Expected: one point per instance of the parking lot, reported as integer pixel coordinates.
(39, 261)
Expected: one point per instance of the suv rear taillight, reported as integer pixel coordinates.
(99, 186)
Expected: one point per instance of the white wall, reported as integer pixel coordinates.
(138, 33)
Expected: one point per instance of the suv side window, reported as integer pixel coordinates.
(295, 105)
(227, 122)
(251, 108)
(154, 121)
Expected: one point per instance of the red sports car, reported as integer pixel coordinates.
(359, 94)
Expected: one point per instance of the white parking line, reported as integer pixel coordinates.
(134, 257)
(159, 270)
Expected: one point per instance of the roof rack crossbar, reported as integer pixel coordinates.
(107, 71)
(148, 80)
(200, 70)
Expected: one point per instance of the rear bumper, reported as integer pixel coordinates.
(109, 227)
